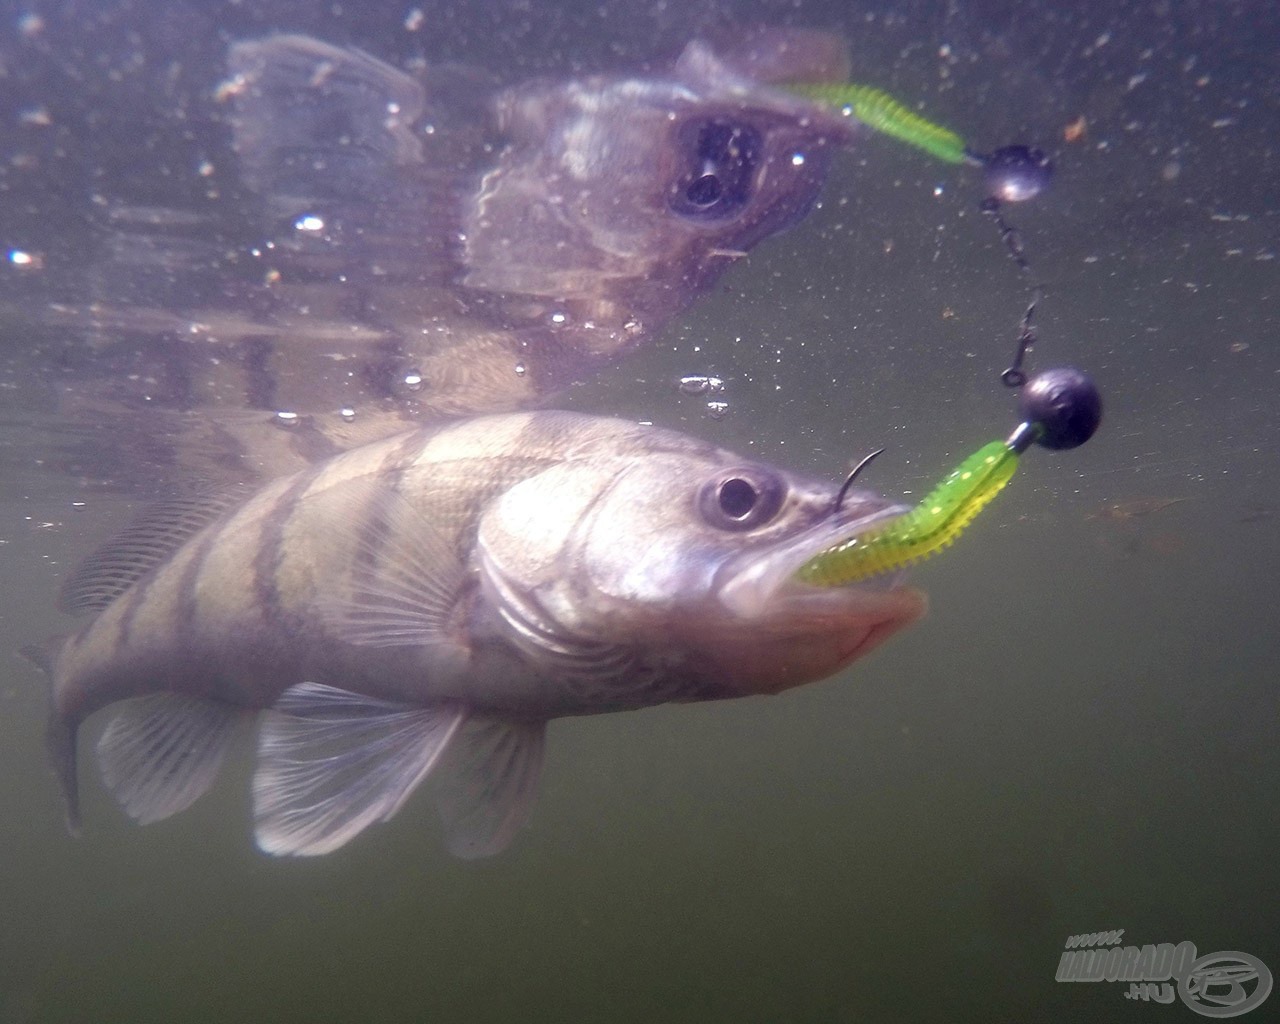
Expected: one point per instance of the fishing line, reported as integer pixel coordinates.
(1059, 408)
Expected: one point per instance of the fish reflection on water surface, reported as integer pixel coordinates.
(420, 607)
(398, 245)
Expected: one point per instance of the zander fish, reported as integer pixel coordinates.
(389, 245)
(422, 606)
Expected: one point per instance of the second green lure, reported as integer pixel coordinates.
(880, 111)
(925, 530)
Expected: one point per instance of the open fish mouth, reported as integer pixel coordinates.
(756, 583)
(787, 632)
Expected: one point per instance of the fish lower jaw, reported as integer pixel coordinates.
(807, 640)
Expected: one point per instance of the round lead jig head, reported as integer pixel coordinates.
(1015, 174)
(1061, 408)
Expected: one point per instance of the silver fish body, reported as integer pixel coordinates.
(423, 605)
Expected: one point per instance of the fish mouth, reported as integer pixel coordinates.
(757, 584)
(786, 632)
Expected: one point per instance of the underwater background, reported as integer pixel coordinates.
(1083, 734)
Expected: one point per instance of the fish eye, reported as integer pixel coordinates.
(719, 176)
(740, 500)
(737, 498)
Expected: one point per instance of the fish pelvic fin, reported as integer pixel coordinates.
(60, 733)
(331, 763)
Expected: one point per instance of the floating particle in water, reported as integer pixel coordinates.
(26, 260)
(700, 385)
(414, 19)
(717, 409)
(36, 117)
(286, 420)
(309, 222)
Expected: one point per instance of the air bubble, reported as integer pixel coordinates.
(347, 413)
(413, 380)
(286, 420)
(701, 385)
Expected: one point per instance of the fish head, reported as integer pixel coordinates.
(690, 555)
(621, 197)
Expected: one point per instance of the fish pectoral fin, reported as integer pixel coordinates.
(332, 762)
(163, 751)
(486, 788)
(405, 582)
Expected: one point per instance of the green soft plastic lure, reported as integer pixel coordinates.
(880, 111)
(925, 530)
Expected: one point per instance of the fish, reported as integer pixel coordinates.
(421, 607)
(383, 246)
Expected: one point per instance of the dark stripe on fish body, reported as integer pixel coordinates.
(135, 598)
(405, 456)
(390, 475)
(311, 443)
(404, 459)
(260, 382)
(266, 563)
(188, 586)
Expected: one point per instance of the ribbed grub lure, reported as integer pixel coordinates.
(1061, 409)
(880, 111)
(927, 529)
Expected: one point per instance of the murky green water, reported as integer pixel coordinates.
(1081, 736)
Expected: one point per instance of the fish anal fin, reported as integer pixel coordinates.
(332, 762)
(487, 786)
(163, 751)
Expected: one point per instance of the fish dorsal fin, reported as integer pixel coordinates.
(147, 542)
(331, 763)
(161, 752)
(406, 581)
(488, 784)
(301, 102)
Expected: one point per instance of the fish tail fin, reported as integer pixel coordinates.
(60, 736)
(60, 740)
